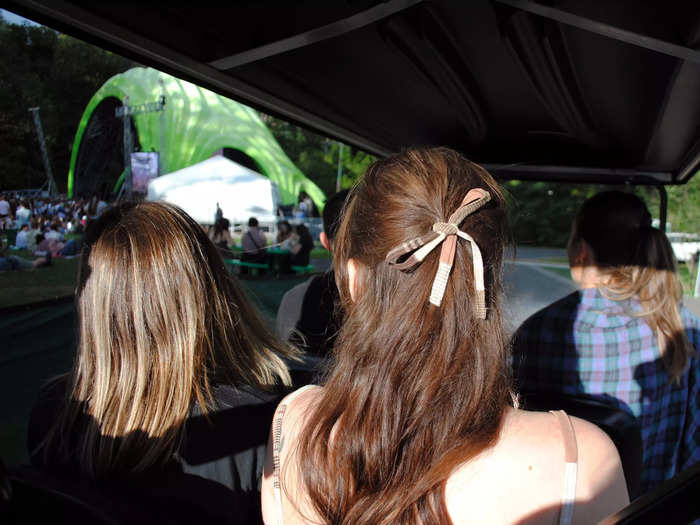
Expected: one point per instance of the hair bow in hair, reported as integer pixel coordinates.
(447, 233)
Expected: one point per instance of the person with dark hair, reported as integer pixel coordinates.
(34, 232)
(254, 244)
(284, 231)
(22, 239)
(415, 420)
(307, 315)
(301, 245)
(624, 336)
(220, 235)
(23, 213)
(4, 208)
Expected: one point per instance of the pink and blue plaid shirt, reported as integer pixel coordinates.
(586, 343)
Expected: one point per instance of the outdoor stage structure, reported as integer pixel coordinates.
(146, 110)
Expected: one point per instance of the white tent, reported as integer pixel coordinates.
(240, 192)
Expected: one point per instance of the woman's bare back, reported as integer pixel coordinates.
(521, 479)
(518, 480)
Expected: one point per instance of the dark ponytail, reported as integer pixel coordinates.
(637, 261)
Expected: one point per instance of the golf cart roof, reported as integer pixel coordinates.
(585, 91)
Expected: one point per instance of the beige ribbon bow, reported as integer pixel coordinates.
(447, 233)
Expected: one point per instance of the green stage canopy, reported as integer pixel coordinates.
(194, 125)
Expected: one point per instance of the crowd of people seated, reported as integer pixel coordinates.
(64, 214)
(416, 416)
(292, 244)
(41, 225)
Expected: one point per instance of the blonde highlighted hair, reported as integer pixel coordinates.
(161, 321)
(636, 261)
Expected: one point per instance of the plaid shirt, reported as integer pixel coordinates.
(586, 343)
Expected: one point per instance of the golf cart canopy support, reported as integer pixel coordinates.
(574, 90)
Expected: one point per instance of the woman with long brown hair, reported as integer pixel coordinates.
(624, 336)
(415, 422)
(169, 348)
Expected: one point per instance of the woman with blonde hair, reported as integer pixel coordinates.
(415, 421)
(169, 351)
(625, 336)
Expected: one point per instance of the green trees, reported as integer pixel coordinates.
(540, 213)
(40, 67)
(317, 156)
(683, 205)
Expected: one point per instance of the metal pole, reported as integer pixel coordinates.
(127, 148)
(161, 132)
(44, 153)
(339, 177)
(663, 207)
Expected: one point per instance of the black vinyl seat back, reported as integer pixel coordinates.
(42, 497)
(621, 426)
(38, 498)
(5, 493)
(673, 502)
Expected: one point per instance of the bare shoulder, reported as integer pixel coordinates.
(290, 418)
(599, 461)
(293, 413)
(590, 438)
(594, 445)
(525, 466)
(531, 450)
(299, 403)
(536, 430)
(599, 464)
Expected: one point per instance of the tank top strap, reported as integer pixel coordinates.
(570, 466)
(277, 423)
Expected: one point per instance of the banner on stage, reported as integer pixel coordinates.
(144, 168)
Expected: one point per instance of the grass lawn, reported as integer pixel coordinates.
(58, 280)
(320, 253)
(31, 286)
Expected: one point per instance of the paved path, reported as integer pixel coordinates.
(535, 252)
(529, 285)
(528, 288)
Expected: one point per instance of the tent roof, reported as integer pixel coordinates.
(573, 90)
(239, 191)
(215, 168)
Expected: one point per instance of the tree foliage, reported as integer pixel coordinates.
(317, 156)
(59, 74)
(683, 205)
(540, 213)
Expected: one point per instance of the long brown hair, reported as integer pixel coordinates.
(160, 322)
(415, 389)
(636, 261)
